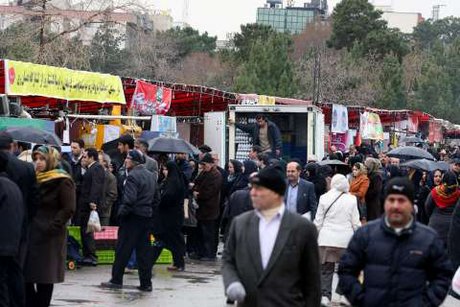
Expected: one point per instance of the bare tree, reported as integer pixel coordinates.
(206, 69)
(55, 27)
(152, 57)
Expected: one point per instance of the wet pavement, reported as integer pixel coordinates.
(200, 285)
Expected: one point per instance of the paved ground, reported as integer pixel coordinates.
(200, 286)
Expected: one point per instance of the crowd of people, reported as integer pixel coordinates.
(400, 226)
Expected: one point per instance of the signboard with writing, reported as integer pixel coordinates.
(27, 79)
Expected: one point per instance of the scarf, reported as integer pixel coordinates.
(442, 199)
(43, 177)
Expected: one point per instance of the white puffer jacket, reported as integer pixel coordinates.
(342, 220)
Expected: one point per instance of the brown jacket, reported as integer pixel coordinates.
(208, 185)
(47, 248)
(359, 186)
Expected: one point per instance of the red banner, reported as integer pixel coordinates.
(150, 99)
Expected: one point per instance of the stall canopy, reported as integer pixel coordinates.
(187, 100)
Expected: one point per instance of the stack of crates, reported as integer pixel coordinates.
(106, 243)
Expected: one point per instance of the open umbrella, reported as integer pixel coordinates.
(172, 145)
(410, 153)
(426, 165)
(412, 139)
(33, 135)
(332, 163)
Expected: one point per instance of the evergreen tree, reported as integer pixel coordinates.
(268, 71)
(106, 53)
(391, 92)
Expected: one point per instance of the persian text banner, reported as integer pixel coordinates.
(27, 79)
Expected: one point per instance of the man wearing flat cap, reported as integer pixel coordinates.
(135, 217)
(206, 192)
(271, 254)
(404, 262)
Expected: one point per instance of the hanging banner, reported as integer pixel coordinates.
(340, 140)
(409, 125)
(435, 135)
(412, 124)
(150, 99)
(370, 126)
(161, 123)
(339, 119)
(27, 79)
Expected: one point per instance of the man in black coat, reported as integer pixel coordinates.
(12, 215)
(239, 202)
(23, 174)
(207, 190)
(91, 196)
(271, 255)
(135, 214)
(74, 158)
(265, 134)
(404, 262)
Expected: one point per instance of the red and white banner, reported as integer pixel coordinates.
(150, 99)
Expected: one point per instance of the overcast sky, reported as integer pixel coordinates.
(219, 17)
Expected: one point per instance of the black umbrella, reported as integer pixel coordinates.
(172, 145)
(332, 163)
(410, 153)
(426, 165)
(33, 135)
(412, 139)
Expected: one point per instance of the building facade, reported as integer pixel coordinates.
(291, 20)
(68, 15)
(404, 21)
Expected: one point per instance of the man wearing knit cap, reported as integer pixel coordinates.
(404, 262)
(271, 255)
(135, 217)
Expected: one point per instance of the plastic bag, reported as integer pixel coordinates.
(94, 224)
(456, 283)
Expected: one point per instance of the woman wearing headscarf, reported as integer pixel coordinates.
(359, 186)
(441, 203)
(337, 219)
(235, 180)
(240, 201)
(170, 217)
(427, 183)
(373, 195)
(250, 167)
(46, 258)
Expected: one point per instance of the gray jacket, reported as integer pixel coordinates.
(141, 193)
